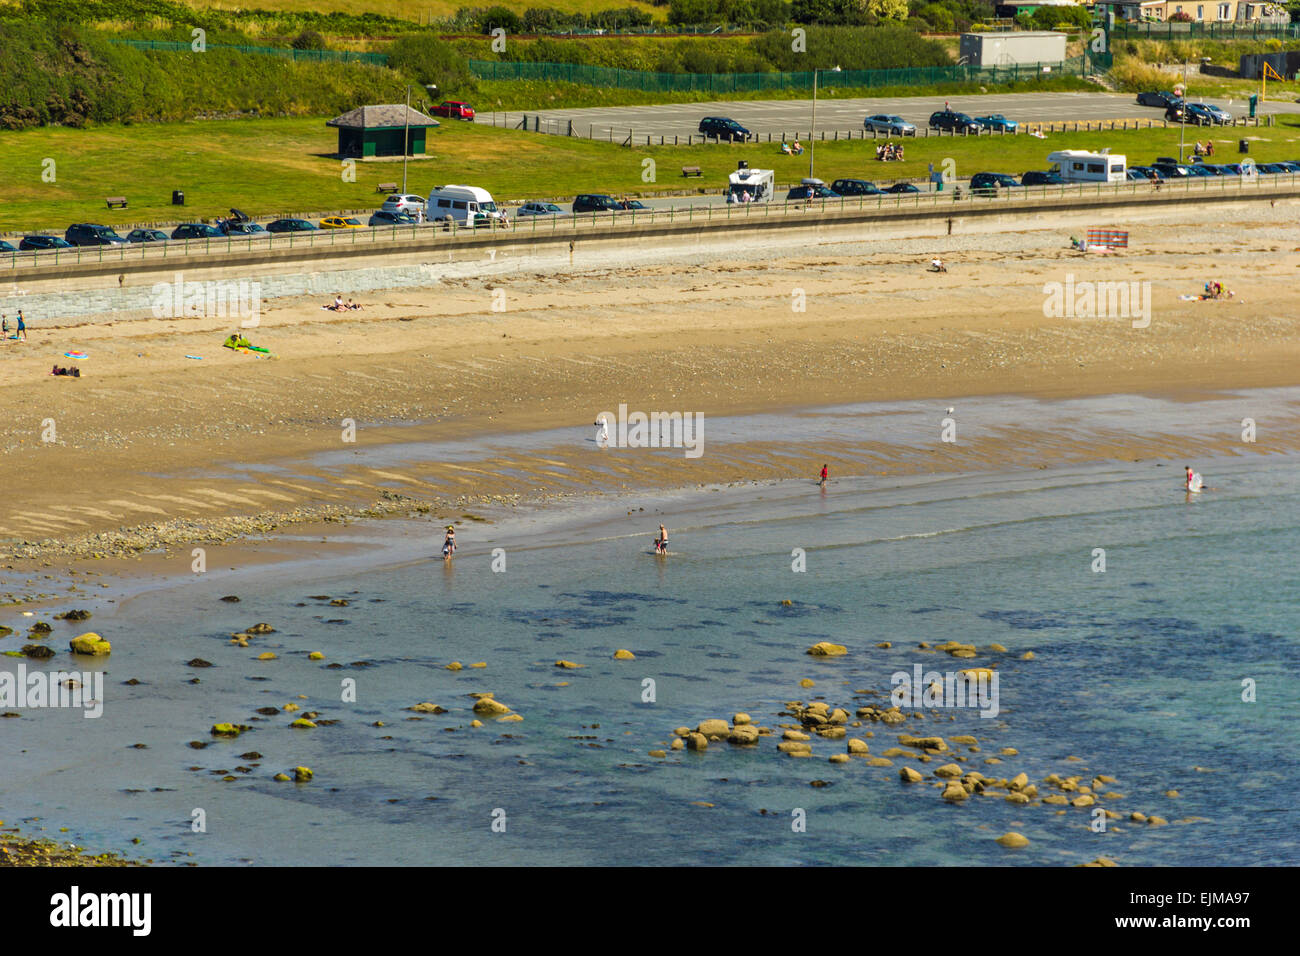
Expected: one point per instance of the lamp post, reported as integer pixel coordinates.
(1182, 116)
(406, 136)
(812, 135)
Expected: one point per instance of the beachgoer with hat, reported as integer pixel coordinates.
(449, 543)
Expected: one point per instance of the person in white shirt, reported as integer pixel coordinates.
(1194, 480)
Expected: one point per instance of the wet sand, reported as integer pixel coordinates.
(152, 449)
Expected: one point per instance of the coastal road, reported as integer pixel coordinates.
(793, 116)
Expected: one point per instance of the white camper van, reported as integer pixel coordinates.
(465, 205)
(1081, 166)
(759, 183)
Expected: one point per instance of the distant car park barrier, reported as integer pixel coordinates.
(321, 243)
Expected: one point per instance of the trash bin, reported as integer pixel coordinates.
(1243, 146)
(178, 198)
(1254, 104)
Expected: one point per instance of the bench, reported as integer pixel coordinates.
(116, 202)
(692, 171)
(386, 188)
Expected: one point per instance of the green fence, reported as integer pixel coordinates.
(755, 82)
(310, 56)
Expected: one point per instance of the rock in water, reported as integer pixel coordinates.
(302, 774)
(489, 706)
(908, 775)
(90, 643)
(38, 651)
(624, 655)
(713, 728)
(1013, 840)
(827, 649)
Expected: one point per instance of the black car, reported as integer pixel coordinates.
(1036, 178)
(854, 187)
(901, 188)
(1163, 99)
(91, 234)
(596, 202)
(29, 243)
(146, 235)
(196, 230)
(1171, 170)
(988, 184)
(720, 127)
(952, 120)
(811, 191)
(1178, 113)
(291, 225)
(384, 217)
(241, 227)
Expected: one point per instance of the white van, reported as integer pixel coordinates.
(758, 184)
(1081, 166)
(465, 205)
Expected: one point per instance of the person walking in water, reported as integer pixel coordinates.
(449, 544)
(1194, 480)
(602, 430)
(661, 542)
(822, 483)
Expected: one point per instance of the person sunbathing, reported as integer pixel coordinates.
(73, 371)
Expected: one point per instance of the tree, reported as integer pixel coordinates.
(887, 9)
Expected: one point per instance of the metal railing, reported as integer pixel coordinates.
(184, 252)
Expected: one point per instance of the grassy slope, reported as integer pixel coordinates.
(271, 166)
(406, 10)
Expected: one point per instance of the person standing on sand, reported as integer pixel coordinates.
(4, 328)
(822, 483)
(449, 544)
(22, 327)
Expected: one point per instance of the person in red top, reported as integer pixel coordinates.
(822, 483)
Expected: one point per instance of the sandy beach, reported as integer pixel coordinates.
(153, 448)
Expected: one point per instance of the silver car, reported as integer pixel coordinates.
(893, 125)
(539, 208)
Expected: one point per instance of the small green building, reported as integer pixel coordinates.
(370, 131)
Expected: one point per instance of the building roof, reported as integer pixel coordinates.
(386, 116)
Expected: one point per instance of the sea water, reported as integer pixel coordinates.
(1173, 669)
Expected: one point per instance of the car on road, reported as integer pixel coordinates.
(36, 243)
(1164, 99)
(92, 234)
(954, 121)
(1041, 178)
(854, 187)
(1202, 114)
(454, 109)
(989, 184)
(340, 222)
(386, 217)
(892, 125)
(196, 230)
(146, 235)
(241, 227)
(811, 189)
(402, 202)
(7, 246)
(1177, 113)
(997, 122)
(720, 127)
(538, 208)
(291, 225)
(596, 202)
(632, 205)
(900, 188)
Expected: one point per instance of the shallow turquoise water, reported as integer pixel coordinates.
(1138, 671)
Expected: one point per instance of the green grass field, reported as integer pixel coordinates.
(279, 166)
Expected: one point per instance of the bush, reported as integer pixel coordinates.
(425, 58)
(308, 40)
(1180, 17)
(495, 18)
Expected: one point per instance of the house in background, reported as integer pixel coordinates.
(1210, 11)
(375, 131)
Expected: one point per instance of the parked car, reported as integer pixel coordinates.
(900, 188)
(196, 230)
(1197, 170)
(290, 225)
(241, 227)
(893, 125)
(1137, 174)
(1202, 114)
(1148, 172)
(1177, 113)
(146, 235)
(340, 222)
(632, 204)
(854, 187)
(1271, 169)
(1234, 169)
(91, 234)
(386, 217)
(1171, 170)
(33, 243)
(1289, 165)
(952, 120)
(720, 127)
(1208, 169)
(454, 109)
(595, 202)
(7, 246)
(988, 184)
(1038, 178)
(996, 121)
(538, 208)
(811, 189)
(1162, 99)
(402, 202)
